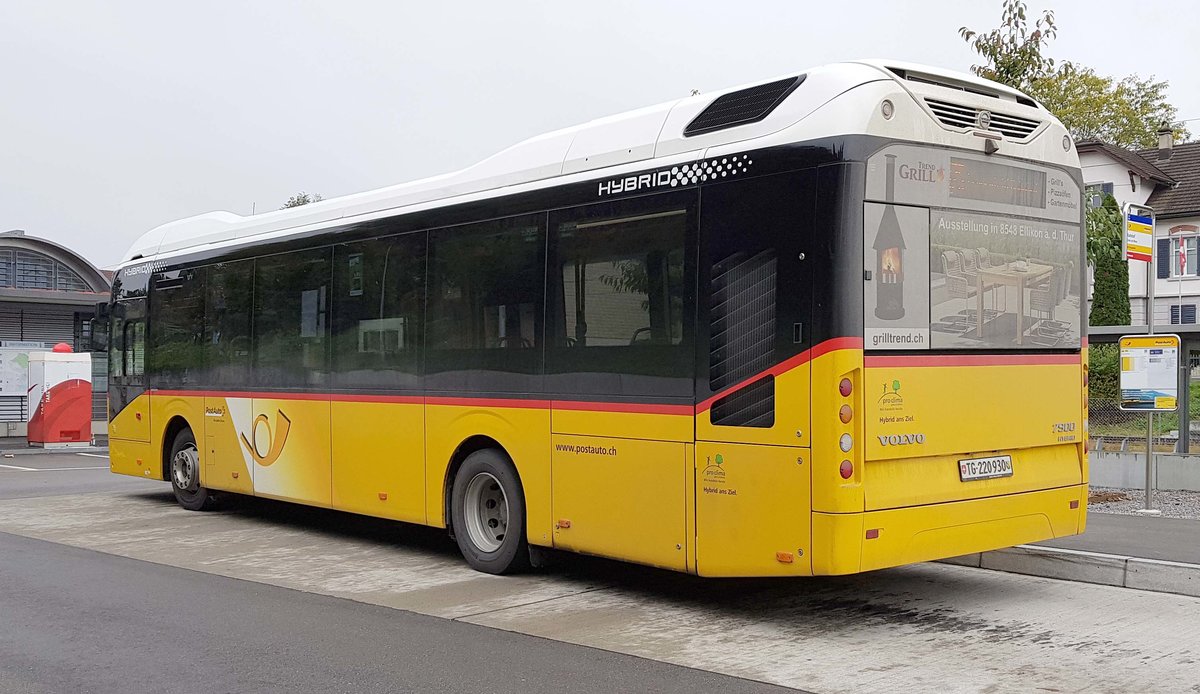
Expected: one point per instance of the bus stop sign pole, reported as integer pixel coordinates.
(1138, 244)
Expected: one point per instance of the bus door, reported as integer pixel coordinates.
(128, 412)
(754, 336)
(619, 362)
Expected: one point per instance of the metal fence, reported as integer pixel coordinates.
(1112, 429)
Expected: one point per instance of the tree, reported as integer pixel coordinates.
(1110, 295)
(1127, 112)
(1014, 52)
(302, 198)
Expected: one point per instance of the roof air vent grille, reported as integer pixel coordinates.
(744, 106)
(960, 116)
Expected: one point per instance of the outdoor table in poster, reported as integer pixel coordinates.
(1149, 372)
(1020, 275)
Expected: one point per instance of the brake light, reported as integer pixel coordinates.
(846, 469)
(845, 387)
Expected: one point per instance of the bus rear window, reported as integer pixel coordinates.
(965, 252)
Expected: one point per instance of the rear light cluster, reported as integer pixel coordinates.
(846, 442)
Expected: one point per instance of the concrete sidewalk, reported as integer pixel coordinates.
(1144, 553)
(19, 446)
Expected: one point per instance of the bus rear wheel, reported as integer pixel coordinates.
(184, 469)
(487, 513)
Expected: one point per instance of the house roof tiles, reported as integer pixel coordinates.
(1183, 199)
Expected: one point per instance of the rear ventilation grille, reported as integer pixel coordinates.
(742, 342)
(751, 406)
(744, 106)
(954, 115)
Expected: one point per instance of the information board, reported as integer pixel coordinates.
(1139, 233)
(14, 370)
(1150, 373)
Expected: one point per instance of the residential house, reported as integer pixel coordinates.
(1167, 179)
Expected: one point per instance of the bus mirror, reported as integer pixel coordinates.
(99, 329)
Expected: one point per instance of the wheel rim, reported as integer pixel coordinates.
(185, 468)
(486, 509)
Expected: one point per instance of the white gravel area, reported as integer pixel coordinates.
(1172, 503)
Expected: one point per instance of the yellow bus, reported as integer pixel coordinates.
(822, 324)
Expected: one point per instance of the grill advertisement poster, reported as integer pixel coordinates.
(897, 296)
(964, 251)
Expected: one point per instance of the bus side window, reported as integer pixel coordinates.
(134, 352)
(621, 286)
(379, 311)
(485, 286)
(116, 358)
(227, 323)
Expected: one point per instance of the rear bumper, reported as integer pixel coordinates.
(936, 531)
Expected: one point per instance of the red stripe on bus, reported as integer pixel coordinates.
(821, 349)
(972, 360)
(391, 399)
(632, 407)
(488, 402)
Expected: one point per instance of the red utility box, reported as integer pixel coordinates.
(60, 398)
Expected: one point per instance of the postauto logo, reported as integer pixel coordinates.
(272, 441)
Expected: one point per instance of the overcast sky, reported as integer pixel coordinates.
(117, 117)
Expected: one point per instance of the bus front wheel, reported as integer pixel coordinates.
(184, 468)
(487, 509)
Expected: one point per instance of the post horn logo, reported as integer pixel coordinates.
(274, 441)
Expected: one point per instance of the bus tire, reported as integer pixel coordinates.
(184, 469)
(487, 513)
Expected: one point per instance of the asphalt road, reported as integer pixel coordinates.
(52, 474)
(75, 620)
(118, 589)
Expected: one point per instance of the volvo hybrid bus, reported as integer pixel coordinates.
(822, 324)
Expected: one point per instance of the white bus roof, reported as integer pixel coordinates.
(622, 142)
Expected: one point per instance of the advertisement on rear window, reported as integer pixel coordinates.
(965, 252)
(897, 258)
(1001, 282)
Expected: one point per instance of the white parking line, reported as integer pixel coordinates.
(52, 469)
(18, 467)
(94, 455)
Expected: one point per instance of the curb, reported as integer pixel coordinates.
(1089, 567)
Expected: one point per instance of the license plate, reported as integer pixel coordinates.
(985, 468)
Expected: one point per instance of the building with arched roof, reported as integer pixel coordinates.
(48, 293)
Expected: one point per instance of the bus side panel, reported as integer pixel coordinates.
(751, 518)
(571, 418)
(288, 440)
(136, 458)
(164, 409)
(621, 498)
(132, 423)
(227, 463)
(379, 459)
(524, 432)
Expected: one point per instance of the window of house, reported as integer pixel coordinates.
(1183, 263)
(1183, 314)
(1094, 193)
